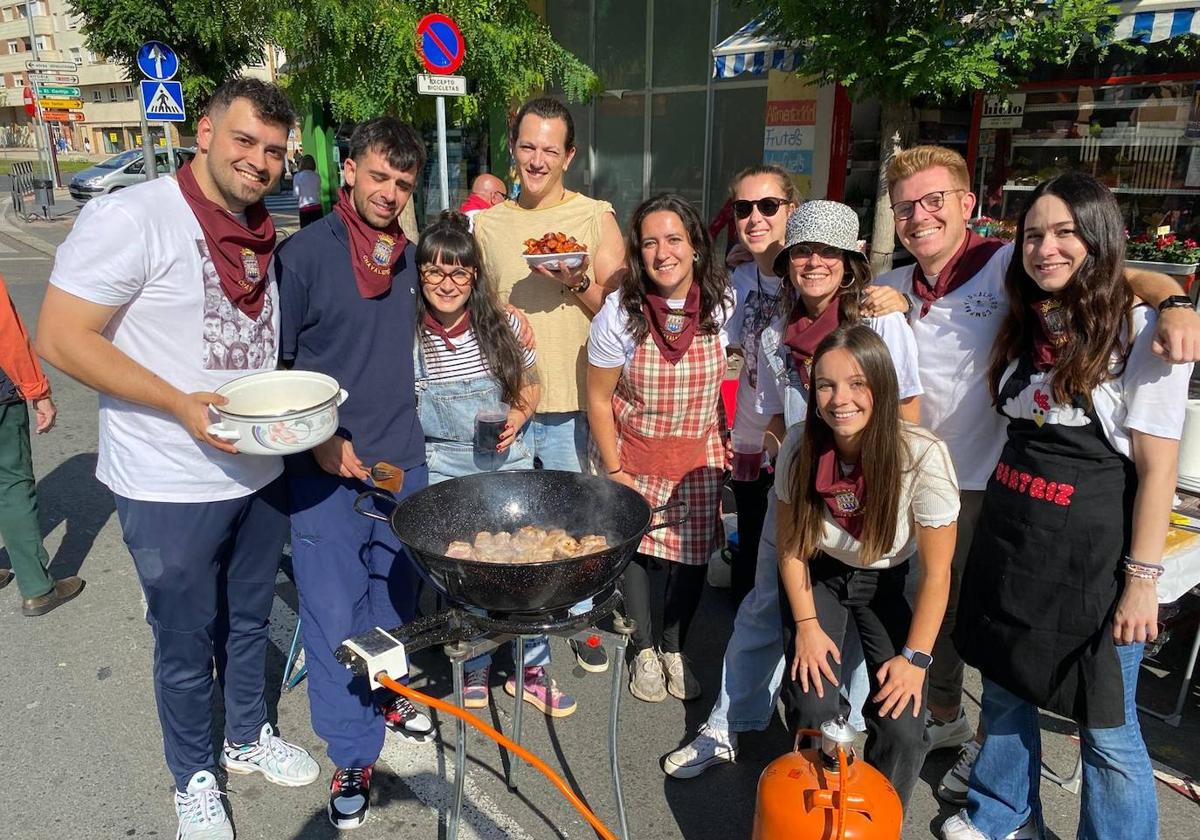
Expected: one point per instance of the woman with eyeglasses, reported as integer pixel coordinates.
(468, 357)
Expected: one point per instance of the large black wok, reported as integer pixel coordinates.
(429, 520)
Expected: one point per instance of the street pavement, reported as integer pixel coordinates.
(82, 747)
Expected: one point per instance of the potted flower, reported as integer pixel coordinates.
(1166, 254)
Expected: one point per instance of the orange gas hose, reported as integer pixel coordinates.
(539, 765)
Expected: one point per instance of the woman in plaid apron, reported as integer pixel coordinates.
(656, 357)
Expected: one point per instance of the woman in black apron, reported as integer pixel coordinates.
(1059, 589)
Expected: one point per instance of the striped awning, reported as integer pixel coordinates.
(1153, 25)
(750, 50)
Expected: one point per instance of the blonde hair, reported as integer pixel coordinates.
(919, 158)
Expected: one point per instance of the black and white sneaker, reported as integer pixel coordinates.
(406, 720)
(349, 797)
(590, 654)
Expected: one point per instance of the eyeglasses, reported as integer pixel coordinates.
(932, 202)
(803, 251)
(742, 208)
(433, 276)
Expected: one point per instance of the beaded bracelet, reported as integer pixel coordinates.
(1143, 571)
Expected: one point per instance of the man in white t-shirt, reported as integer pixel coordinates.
(306, 184)
(956, 300)
(132, 310)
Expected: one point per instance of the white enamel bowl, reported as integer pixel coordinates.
(278, 412)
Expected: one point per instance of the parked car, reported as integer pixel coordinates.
(120, 171)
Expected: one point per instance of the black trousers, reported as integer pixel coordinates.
(685, 585)
(308, 215)
(751, 500)
(874, 600)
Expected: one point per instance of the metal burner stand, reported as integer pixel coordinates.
(466, 634)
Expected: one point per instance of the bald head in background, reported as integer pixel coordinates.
(486, 191)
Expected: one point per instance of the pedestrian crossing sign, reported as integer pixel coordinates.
(163, 100)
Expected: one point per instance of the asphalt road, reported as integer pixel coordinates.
(82, 748)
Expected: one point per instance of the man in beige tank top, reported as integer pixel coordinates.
(559, 304)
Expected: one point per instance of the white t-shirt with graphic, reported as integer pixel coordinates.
(142, 250)
(954, 344)
(1150, 395)
(755, 296)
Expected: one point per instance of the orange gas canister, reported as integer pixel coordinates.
(826, 793)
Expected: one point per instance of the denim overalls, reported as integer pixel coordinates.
(447, 414)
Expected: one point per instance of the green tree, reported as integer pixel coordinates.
(213, 38)
(359, 55)
(898, 51)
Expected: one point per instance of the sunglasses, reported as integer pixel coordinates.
(742, 208)
(824, 252)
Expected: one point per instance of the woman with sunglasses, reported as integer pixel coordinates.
(1058, 594)
(656, 360)
(468, 357)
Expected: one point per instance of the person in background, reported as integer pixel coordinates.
(956, 300)
(306, 184)
(860, 489)
(486, 191)
(124, 314)
(1058, 595)
(559, 303)
(22, 381)
(348, 289)
(469, 357)
(656, 360)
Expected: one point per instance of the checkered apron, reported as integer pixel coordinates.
(675, 407)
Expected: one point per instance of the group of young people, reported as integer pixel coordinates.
(875, 420)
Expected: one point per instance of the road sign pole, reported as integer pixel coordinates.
(147, 149)
(42, 129)
(170, 148)
(443, 174)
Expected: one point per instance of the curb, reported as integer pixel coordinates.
(9, 227)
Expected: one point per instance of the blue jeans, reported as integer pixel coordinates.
(1118, 798)
(752, 669)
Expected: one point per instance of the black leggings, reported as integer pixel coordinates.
(751, 500)
(685, 585)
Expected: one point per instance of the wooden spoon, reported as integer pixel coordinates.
(387, 477)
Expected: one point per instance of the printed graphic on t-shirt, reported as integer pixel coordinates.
(756, 315)
(1036, 403)
(232, 341)
(981, 304)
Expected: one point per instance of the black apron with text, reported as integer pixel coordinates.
(1045, 569)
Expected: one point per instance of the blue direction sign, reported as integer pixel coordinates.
(163, 100)
(157, 61)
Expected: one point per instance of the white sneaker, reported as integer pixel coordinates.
(681, 682)
(282, 763)
(201, 814)
(646, 677)
(952, 734)
(958, 827)
(953, 786)
(711, 746)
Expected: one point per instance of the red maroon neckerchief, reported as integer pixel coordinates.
(1052, 334)
(673, 329)
(239, 252)
(373, 252)
(474, 202)
(967, 261)
(803, 334)
(434, 326)
(845, 496)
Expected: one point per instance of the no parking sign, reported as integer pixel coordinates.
(440, 44)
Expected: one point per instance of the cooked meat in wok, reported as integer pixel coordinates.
(527, 545)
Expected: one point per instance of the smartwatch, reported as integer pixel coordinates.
(1174, 302)
(918, 658)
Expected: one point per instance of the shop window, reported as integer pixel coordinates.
(681, 53)
(676, 144)
(621, 44)
(619, 128)
(571, 24)
(738, 127)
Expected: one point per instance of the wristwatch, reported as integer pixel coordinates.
(1175, 301)
(918, 658)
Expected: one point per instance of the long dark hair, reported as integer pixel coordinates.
(1097, 302)
(448, 240)
(709, 273)
(848, 299)
(889, 455)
